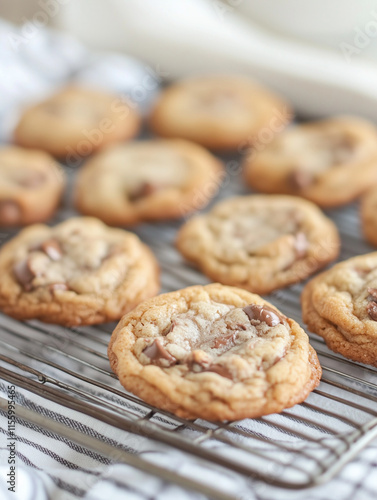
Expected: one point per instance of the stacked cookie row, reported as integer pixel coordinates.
(217, 352)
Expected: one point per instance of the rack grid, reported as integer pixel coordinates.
(304, 446)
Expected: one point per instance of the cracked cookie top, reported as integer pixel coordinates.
(260, 242)
(341, 306)
(147, 180)
(213, 348)
(76, 272)
(329, 162)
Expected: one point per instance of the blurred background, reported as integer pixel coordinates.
(321, 55)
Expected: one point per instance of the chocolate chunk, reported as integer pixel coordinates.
(156, 352)
(220, 370)
(373, 293)
(58, 286)
(168, 329)
(24, 274)
(372, 310)
(372, 306)
(299, 179)
(52, 249)
(224, 340)
(10, 213)
(144, 190)
(263, 314)
(301, 245)
(199, 362)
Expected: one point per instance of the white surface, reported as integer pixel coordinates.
(197, 36)
(318, 21)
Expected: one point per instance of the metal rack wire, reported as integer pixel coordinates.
(303, 446)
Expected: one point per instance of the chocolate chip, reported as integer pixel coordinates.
(301, 245)
(10, 213)
(156, 352)
(224, 340)
(372, 310)
(168, 329)
(144, 190)
(220, 370)
(199, 362)
(24, 274)
(372, 306)
(299, 179)
(263, 314)
(52, 249)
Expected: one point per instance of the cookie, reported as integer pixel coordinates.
(79, 272)
(260, 242)
(369, 215)
(213, 352)
(330, 162)
(340, 305)
(31, 185)
(149, 180)
(75, 122)
(223, 113)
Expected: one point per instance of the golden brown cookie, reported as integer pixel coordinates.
(213, 352)
(260, 242)
(147, 180)
(340, 305)
(330, 162)
(75, 122)
(369, 215)
(31, 185)
(219, 112)
(79, 272)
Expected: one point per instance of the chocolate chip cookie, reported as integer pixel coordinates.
(79, 272)
(31, 184)
(330, 162)
(340, 305)
(260, 242)
(213, 352)
(369, 215)
(147, 180)
(224, 113)
(75, 122)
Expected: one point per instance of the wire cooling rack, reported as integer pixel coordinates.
(303, 446)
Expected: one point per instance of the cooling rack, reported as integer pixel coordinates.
(304, 446)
